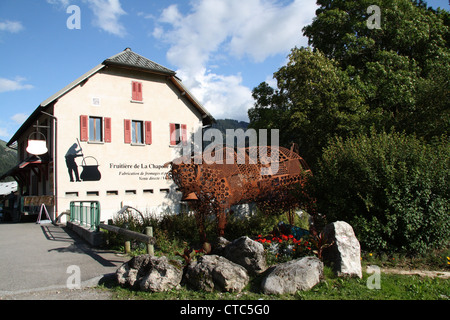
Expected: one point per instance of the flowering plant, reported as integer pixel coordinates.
(285, 247)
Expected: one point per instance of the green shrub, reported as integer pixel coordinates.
(392, 188)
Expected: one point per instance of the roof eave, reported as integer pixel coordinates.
(28, 123)
(72, 85)
(205, 114)
(130, 67)
(37, 112)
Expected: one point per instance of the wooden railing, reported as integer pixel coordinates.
(146, 238)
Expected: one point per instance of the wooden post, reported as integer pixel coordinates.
(127, 246)
(150, 247)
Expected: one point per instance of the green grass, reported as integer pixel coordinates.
(392, 287)
(175, 233)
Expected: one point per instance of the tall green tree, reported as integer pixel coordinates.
(355, 77)
(314, 101)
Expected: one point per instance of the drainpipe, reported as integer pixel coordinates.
(55, 180)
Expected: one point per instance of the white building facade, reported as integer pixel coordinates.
(109, 134)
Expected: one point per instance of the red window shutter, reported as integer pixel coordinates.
(127, 131)
(139, 91)
(107, 129)
(84, 124)
(184, 134)
(173, 136)
(136, 88)
(148, 132)
(133, 91)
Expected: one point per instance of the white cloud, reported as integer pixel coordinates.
(107, 14)
(214, 29)
(223, 96)
(271, 29)
(271, 81)
(11, 26)
(19, 118)
(63, 3)
(4, 133)
(14, 85)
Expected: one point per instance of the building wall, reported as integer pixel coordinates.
(130, 174)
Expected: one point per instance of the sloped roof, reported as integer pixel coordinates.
(7, 187)
(128, 58)
(125, 59)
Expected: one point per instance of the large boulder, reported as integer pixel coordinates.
(219, 246)
(213, 272)
(345, 253)
(247, 253)
(149, 273)
(300, 274)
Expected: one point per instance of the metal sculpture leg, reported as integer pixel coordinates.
(221, 221)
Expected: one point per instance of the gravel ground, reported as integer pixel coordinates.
(89, 291)
(422, 273)
(61, 294)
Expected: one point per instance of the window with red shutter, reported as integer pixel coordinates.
(136, 91)
(107, 130)
(178, 133)
(148, 132)
(84, 134)
(137, 131)
(95, 129)
(127, 131)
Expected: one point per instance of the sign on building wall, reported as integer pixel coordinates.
(142, 171)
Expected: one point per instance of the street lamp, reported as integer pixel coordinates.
(37, 146)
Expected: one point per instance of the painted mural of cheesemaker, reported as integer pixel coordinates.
(90, 172)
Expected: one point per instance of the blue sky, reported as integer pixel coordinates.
(221, 49)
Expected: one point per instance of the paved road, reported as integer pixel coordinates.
(36, 257)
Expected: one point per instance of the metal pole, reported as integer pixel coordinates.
(55, 171)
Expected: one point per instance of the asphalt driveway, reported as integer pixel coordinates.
(36, 257)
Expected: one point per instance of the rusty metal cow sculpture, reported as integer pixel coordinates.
(255, 175)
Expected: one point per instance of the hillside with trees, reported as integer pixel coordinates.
(224, 124)
(8, 159)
